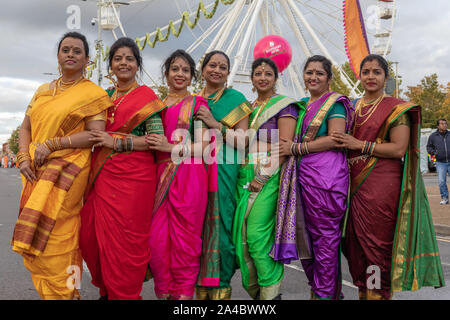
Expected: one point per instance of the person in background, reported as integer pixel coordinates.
(438, 146)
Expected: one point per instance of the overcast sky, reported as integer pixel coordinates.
(31, 30)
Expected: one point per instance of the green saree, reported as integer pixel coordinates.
(229, 109)
(255, 217)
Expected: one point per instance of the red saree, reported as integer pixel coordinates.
(116, 218)
(389, 224)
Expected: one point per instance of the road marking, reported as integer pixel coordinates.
(344, 282)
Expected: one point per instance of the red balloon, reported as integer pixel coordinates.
(275, 48)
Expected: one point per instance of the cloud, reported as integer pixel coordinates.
(15, 94)
(420, 44)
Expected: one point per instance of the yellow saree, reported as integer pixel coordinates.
(47, 230)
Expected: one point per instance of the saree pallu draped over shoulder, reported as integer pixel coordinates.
(180, 207)
(254, 220)
(116, 218)
(218, 253)
(399, 222)
(47, 230)
(312, 202)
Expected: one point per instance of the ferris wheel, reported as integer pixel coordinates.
(310, 26)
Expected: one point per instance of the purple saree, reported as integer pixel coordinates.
(312, 203)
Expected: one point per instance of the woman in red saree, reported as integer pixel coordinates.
(389, 233)
(182, 193)
(116, 217)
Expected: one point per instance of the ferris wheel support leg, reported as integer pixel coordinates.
(295, 80)
(208, 32)
(229, 25)
(240, 29)
(294, 26)
(239, 56)
(319, 43)
(117, 18)
(221, 33)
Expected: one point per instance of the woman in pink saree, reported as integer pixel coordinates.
(183, 185)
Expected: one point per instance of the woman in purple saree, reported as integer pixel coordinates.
(314, 185)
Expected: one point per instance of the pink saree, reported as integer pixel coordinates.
(179, 212)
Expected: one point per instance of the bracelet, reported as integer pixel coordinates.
(53, 144)
(372, 148)
(368, 148)
(305, 150)
(23, 156)
(119, 147)
(294, 149)
(130, 143)
(70, 141)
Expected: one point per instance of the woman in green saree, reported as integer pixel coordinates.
(229, 111)
(274, 117)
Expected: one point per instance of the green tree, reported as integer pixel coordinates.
(337, 85)
(431, 96)
(14, 141)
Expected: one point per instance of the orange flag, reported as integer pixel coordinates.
(356, 44)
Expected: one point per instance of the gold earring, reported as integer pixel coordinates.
(59, 69)
(253, 89)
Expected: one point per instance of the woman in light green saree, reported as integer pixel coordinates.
(273, 117)
(229, 111)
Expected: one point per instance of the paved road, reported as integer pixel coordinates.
(16, 282)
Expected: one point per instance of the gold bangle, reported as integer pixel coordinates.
(70, 141)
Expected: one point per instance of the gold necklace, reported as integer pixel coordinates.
(365, 104)
(176, 95)
(369, 113)
(262, 105)
(60, 84)
(216, 97)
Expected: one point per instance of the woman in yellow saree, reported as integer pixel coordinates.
(54, 159)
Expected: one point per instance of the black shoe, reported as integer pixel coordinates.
(103, 298)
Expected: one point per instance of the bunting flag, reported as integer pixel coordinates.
(184, 20)
(356, 44)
